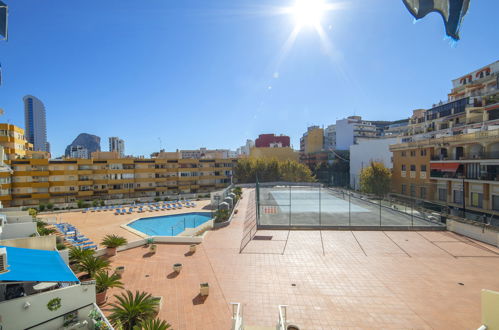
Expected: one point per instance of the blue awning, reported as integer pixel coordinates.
(28, 265)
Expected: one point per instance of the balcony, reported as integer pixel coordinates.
(469, 156)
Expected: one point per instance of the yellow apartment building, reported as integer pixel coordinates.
(313, 140)
(13, 141)
(35, 181)
(460, 171)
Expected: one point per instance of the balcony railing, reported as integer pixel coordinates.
(469, 156)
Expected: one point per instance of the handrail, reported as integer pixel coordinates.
(281, 325)
(237, 316)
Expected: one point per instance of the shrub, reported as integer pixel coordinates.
(157, 199)
(33, 212)
(95, 203)
(80, 204)
(61, 246)
(41, 207)
(50, 206)
(102, 203)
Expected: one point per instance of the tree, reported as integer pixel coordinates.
(133, 309)
(269, 170)
(76, 254)
(113, 241)
(33, 212)
(91, 265)
(375, 179)
(104, 281)
(221, 215)
(42, 229)
(155, 324)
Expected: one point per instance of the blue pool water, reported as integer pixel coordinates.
(170, 225)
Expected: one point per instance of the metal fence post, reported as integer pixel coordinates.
(349, 209)
(380, 211)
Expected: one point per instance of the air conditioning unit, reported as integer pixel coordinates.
(3, 260)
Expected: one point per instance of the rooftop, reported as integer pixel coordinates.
(329, 279)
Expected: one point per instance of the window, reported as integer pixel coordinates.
(403, 189)
(423, 168)
(413, 167)
(403, 167)
(442, 194)
(413, 153)
(477, 199)
(495, 202)
(403, 153)
(422, 192)
(413, 189)
(423, 152)
(458, 197)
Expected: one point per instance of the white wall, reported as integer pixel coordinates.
(370, 150)
(47, 243)
(18, 230)
(14, 316)
(344, 134)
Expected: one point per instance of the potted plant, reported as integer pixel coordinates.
(204, 289)
(119, 270)
(192, 248)
(177, 268)
(104, 281)
(112, 242)
(130, 309)
(152, 248)
(149, 241)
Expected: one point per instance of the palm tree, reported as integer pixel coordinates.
(91, 265)
(104, 281)
(154, 324)
(132, 309)
(76, 254)
(112, 242)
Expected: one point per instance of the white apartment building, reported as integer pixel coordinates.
(350, 129)
(367, 150)
(79, 152)
(118, 145)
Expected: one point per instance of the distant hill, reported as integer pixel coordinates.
(89, 141)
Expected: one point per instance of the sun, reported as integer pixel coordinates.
(308, 12)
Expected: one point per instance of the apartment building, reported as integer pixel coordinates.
(348, 130)
(13, 141)
(35, 181)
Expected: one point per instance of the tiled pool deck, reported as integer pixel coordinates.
(359, 279)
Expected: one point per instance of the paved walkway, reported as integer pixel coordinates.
(329, 279)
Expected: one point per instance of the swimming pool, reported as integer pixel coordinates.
(170, 225)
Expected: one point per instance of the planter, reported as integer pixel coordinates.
(119, 270)
(111, 251)
(192, 248)
(153, 248)
(204, 289)
(235, 211)
(177, 268)
(100, 298)
(160, 303)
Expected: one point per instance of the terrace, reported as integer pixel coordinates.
(328, 279)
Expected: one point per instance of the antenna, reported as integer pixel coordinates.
(160, 144)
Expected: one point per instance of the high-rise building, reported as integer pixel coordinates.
(118, 145)
(35, 123)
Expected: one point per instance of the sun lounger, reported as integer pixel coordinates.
(90, 247)
(123, 211)
(130, 210)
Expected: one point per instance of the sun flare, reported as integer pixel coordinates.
(308, 12)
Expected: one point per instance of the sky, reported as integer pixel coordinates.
(196, 73)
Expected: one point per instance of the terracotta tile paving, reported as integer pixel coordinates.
(95, 225)
(329, 279)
